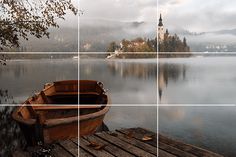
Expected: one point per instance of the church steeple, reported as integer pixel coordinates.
(160, 21)
(161, 31)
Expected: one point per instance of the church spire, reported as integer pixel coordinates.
(160, 21)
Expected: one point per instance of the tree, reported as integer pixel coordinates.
(112, 47)
(21, 18)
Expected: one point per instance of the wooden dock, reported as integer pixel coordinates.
(137, 142)
(133, 142)
(67, 148)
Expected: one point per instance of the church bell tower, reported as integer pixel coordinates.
(161, 31)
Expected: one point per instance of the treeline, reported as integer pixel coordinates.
(173, 44)
(136, 45)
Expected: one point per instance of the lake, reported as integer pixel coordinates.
(209, 127)
(129, 81)
(22, 78)
(197, 80)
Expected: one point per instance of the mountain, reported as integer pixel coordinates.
(63, 39)
(210, 41)
(95, 35)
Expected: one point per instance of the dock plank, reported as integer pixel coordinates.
(139, 133)
(174, 151)
(138, 143)
(75, 140)
(162, 153)
(114, 150)
(124, 145)
(187, 148)
(98, 153)
(83, 153)
(70, 146)
(58, 151)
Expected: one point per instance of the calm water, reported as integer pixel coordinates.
(19, 80)
(129, 81)
(211, 127)
(22, 78)
(131, 117)
(208, 80)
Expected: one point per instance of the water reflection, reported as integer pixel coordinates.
(22, 78)
(131, 117)
(211, 128)
(194, 80)
(10, 134)
(129, 81)
(5, 98)
(169, 72)
(141, 71)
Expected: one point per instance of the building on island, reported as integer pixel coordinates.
(161, 31)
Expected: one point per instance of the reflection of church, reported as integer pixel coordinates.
(161, 31)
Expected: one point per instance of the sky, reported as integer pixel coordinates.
(198, 15)
(119, 10)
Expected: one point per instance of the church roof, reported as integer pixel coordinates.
(160, 21)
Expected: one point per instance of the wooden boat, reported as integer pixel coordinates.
(94, 104)
(45, 123)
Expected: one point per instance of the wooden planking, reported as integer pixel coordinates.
(112, 149)
(98, 153)
(124, 145)
(58, 151)
(162, 153)
(138, 133)
(174, 151)
(187, 148)
(83, 153)
(138, 143)
(70, 146)
(75, 140)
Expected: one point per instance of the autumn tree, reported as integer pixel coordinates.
(21, 18)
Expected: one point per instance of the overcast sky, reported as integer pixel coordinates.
(119, 10)
(71, 20)
(198, 15)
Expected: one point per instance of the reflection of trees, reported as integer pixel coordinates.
(19, 70)
(140, 70)
(167, 72)
(5, 98)
(10, 135)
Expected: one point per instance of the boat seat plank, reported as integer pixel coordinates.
(114, 150)
(60, 121)
(98, 153)
(174, 151)
(124, 145)
(70, 147)
(186, 147)
(138, 143)
(88, 93)
(138, 133)
(61, 94)
(56, 107)
(89, 106)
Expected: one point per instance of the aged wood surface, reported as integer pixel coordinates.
(137, 142)
(67, 148)
(134, 142)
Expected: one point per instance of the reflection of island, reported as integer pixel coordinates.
(167, 72)
(144, 71)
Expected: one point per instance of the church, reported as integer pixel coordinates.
(161, 31)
